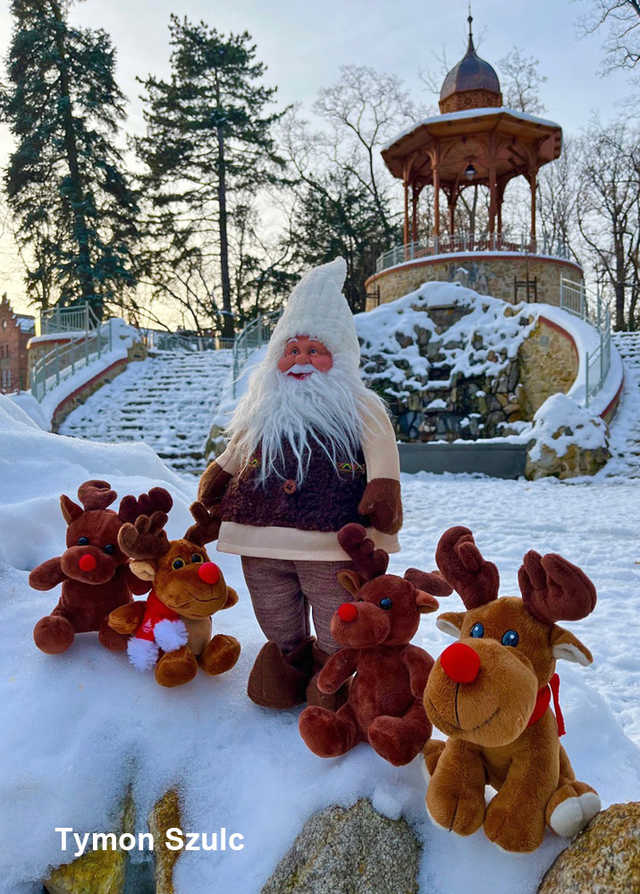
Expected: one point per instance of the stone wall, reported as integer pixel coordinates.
(548, 362)
(488, 274)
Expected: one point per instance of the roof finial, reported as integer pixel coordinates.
(470, 48)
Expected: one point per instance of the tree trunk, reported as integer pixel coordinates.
(620, 284)
(85, 269)
(227, 325)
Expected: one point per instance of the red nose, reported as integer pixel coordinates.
(87, 562)
(347, 612)
(209, 573)
(460, 663)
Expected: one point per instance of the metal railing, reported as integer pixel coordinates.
(447, 244)
(80, 318)
(180, 341)
(62, 362)
(254, 335)
(573, 298)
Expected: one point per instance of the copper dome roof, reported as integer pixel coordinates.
(471, 74)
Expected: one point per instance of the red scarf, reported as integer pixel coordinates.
(542, 703)
(154, 611)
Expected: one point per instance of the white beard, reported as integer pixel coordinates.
(279, 409)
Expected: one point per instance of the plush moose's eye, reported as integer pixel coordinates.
(83, 541)
(196, 557)
(385, 603)
(477, 630)
(109, 549)
(510, 638)
(177, 563)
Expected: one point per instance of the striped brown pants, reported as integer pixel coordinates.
(282, 592)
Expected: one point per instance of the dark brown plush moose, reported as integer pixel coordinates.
(490, 692)
(93, 571)
(384, 705)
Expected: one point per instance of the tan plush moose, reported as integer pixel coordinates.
(490, 693)
(187, 589)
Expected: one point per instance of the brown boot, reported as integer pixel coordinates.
(279, 680)
(333, 700)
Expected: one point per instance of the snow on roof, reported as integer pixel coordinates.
(26, 323)
(469, 113)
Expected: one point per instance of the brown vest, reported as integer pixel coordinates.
(326, 500)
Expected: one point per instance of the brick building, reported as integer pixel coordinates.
(15, 332)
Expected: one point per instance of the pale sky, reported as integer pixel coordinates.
(304, 45)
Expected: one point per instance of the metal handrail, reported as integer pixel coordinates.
(80, 318)
(573, 298)
(254, 335)
(457, 244)
(63, 360)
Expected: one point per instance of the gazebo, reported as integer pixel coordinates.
(473, 141)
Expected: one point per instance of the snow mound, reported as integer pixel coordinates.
(560, 422)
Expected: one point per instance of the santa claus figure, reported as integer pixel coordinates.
(311, 449)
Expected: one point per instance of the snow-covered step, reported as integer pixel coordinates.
(625, 428)
(167, 401)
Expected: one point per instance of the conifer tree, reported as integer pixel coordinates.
(74, 210)
(207, 146)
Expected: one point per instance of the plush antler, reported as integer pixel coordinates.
(207, 526)
(96, 494)
(145, 539)
(429, 581)
(461, 564)
(367, 561)
(158, 499)
(554, 589)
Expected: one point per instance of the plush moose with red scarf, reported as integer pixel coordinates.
(93, 571)
(490, 693)
(171, 631)
(384, 705)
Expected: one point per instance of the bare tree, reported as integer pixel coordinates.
(621, 18)
(608, 212)
(365, 108)
(521, 81)
(557, 201)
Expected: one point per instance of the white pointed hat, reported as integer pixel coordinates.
(317, 308)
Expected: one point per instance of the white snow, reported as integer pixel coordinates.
(470, 113)
(560, 413)
(165, 400)
(78, 727)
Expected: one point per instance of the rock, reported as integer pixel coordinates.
(349, 851)
(604, 858)
(95, 872)
(575, 461)
(165, 815)
(216, 443)
(403, 340)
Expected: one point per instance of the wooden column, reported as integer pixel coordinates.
(533, 183)
(406, 210)
(415, 192)
(492, 186)
(435, 166)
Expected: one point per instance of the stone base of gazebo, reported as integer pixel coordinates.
(502, 275)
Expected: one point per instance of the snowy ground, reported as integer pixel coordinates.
(167, 401)
(78, 727)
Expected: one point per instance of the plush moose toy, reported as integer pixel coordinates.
(187, 590)
(490, 693)
(93, 571)
(384, 705)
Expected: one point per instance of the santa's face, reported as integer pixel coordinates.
(303, 356)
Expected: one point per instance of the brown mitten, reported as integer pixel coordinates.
(381, 502)
(213, 484)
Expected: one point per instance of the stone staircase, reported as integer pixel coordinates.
(167, 401)
(625, 428)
